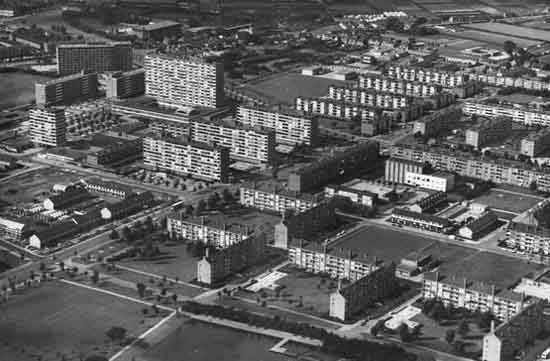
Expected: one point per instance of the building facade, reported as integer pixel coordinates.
(517, 113)
(121, 85)
(277, 201)
(289, 128)
(395, 170)
(94, 57)
(176, 81)
(47, 126)
(66, 90)
(535, 143)
(489, 130)
(423, 221)
(181, 156)
(439, 181)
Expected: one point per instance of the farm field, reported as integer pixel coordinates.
(505, 29)
(507, 201)
(17, 88)
(57, 319)
(491, 38)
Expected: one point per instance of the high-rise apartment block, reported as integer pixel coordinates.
(182, 156)
(66, 90)
(180, 81)
(94, 57)
(47, 126)
(290, 128)
(121, 85)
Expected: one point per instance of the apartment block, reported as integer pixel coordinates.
(510, 338)
(219, 263)
(304, 225)
(276, 200)
(433, 124)
(517, 113)
(66, 90)
(414, 74)
(535, 143)
(47, 126)
(120, 85)
(370, 97)
(352, 297)
(337, 165)
(395, 86)
(94, 57)
(500, 171)
(246, 144)
(289, 128)
(528, 233)
(472, 295)
(186, 157)
(213, 230)
(396, 169)
(489, 130)
(178, 81)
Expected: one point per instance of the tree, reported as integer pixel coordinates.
(450, 336)
(509, 47)
(533, 185)
(141, 289)
(463, 328)
(227, 196)
(213, 200)
(114, 234)
(116, 333)
(95, 277)
(126, 233)
(404, 333)
(62, 266)
(188, 210)
(201, 205)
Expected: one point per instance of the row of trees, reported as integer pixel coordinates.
(437, 311)
(334, 344)
(214, 202)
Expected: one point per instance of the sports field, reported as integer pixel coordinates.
(502, 271)
(57, 320)
(384, 243)
(510, 202)
(520, 31)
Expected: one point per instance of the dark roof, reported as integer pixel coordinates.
(70, 196)
(485, 220)
(56, 230)
(421, 216)
(131, 201)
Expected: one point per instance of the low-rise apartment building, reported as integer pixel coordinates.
(276, 200)
(369, 97)
(488, 130)
(516, 112)
(535, 143)
(66, 90)
(397, 86)
(472, 295)
(186, 157)
(290, 128)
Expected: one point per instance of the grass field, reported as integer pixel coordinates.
(58, 319)
(285, 88)
(519, 31)
(17, 88)
(493, 39)
(384, 243)
(507, 201)
(490, 268)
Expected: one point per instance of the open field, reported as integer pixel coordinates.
(384, 243)
(285, 88)
(34, 185)
(58, 319)
(507, 201)
(17, 88)
(490, 268)
(505, 29)
(492, 39)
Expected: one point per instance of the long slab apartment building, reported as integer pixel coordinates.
(94, 57)
(498, 171)
(181, 156)
(66, 90)
(290, 128)
(276, 200)
(520, 114)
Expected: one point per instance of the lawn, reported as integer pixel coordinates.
(521, 31)
(384, 243)
(507, 201)
(490, 268)
(17, 88)
(285, 88)
(58, 319)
